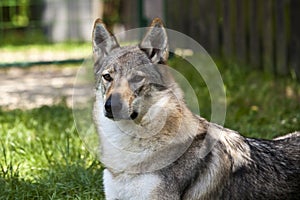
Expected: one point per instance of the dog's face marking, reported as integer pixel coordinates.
(126, 75)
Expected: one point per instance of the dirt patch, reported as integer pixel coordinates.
(37, 86)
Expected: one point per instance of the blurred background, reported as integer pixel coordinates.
(255, 44)
(262, 35)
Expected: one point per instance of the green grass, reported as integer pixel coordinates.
(22, 37)
(261, 105)
(42, 156)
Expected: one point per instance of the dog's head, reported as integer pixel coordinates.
(132, 78)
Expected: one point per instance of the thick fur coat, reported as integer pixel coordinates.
(154, 147)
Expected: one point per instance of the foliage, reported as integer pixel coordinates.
(111, 13)
(258, 104)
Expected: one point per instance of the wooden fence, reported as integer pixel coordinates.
(262, 34)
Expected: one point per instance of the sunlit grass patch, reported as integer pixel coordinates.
(42, 156)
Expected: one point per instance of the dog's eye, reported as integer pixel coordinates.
(137, 78)
(107, 77)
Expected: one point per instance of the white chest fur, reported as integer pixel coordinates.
(130, 147)
(130, 187)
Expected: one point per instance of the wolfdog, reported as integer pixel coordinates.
(154, 147)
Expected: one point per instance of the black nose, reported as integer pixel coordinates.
(113, 105)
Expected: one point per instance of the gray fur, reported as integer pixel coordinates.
(217, 163)
(273, 173)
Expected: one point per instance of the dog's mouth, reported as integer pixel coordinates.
(116, 117)
(116, 109)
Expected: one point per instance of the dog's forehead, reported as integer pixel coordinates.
(126, 58)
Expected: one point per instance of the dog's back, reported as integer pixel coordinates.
(274, 172)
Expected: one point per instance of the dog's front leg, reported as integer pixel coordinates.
(137, 187)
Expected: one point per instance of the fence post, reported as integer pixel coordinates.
(241, 31)
(254, 53)
(294, 44)
(173, 18)
(213, 27)
(129, 15)
(281, 64)
(227, 29)
(268, 36)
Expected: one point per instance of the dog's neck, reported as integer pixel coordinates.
(126, 145)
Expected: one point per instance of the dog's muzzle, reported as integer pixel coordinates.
(114, 108)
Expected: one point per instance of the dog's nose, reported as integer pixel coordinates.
(108, 106)
(113, 105)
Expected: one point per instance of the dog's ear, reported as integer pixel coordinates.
(103, 40)
(155, 42)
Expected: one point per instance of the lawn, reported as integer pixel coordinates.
(42, 156)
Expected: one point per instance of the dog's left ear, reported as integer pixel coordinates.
(103, 41)
(155, 42)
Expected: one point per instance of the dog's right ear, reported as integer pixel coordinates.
(103, 41)
(155, 42)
